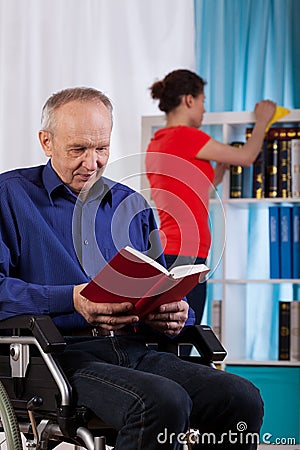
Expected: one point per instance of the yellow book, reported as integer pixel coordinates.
(280, 111)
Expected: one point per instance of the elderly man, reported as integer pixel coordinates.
(60, 223)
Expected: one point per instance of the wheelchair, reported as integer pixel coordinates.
(36, 398)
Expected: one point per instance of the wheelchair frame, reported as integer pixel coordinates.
(49, 417)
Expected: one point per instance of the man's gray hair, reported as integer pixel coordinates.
(83, 94)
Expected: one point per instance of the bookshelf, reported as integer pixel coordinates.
(241, 278)
(229, 257)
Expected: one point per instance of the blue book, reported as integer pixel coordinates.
(274, 240)
(286, 263)
(296, 241)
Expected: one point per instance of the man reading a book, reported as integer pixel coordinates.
(60, 223)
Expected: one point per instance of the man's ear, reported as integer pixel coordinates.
(46, 142)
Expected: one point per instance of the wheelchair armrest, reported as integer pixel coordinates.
(204, 340)
(42, 328)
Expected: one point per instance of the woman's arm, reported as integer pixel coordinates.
(221, 153)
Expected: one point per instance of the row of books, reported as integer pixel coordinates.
(284, 239)
(276, 171)
(289, 331)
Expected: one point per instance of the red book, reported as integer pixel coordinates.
(133, 277)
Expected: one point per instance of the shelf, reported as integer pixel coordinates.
(233, 201)
(231, 219)
(242, 117)
(269, 363)
(221, 118)
(259, 202)
(267, 281)
(254, 281)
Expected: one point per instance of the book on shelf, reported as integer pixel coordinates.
(247, 182)
(284, 330)
(296, 241)
(216, 318)
(295, 331)
(289, 330)
(284, 241)
(285, 213)
(284, 169)
(271, 169)
(131, 276)
(295, 168)
(258, 171)
(274, 240)
(236, 176)
(276, 170)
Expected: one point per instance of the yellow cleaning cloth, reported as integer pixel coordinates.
(280, 111)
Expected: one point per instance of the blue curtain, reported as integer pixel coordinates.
(246, 51)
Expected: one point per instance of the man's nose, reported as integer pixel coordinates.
(90, 161)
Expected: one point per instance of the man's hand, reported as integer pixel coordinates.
(109, 316)
(169, 318)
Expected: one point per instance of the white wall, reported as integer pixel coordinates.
(118, 46)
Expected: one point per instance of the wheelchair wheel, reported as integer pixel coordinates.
(11, 440)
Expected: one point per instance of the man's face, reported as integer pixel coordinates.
(79, 143)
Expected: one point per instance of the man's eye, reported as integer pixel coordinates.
(101, 149)
(77, 151)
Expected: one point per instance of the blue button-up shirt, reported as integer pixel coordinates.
(50, 240)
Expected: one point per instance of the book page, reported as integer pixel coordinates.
(189, 269)
(147, 259)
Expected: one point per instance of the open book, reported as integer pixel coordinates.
(131, 276)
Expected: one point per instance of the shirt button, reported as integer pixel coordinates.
(85, 242)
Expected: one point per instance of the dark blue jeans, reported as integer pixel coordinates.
(152, 397)
(197, 296)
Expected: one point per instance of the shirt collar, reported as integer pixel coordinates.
(54, 186)
(52, 182)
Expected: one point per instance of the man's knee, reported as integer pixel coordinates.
(249, 403)
(229, 400)
(171, 403)
(242, 402)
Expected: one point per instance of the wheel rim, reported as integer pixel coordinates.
(10, 434)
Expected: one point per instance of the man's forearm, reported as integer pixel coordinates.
(18, 297)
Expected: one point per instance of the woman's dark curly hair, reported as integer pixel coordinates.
(170, 90)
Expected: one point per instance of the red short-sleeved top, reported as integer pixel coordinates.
(180, 185)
